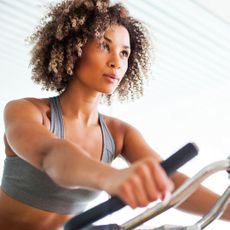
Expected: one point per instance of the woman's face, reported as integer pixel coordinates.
(104, 62)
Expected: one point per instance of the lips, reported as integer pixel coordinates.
(111, 77)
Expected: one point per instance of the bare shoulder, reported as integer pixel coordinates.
(118, 130)
(29, 102)
(28, 108)
(116, 125)
(131, 142)
(25, 122)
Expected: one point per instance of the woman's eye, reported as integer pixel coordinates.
(104, 46)
(125, 53)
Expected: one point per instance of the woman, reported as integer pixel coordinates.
(58, 149)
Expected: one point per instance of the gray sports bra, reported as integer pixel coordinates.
(31, 186)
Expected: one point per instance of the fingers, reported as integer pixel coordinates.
(134, 194)
(162, 182)
(147, 182)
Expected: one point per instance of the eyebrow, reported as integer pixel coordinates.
(109, 40)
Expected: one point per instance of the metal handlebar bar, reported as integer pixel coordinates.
(181, 194)
(170, 165)
(178, 197)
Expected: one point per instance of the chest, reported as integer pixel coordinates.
(90, 138)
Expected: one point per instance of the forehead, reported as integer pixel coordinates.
(118, 34)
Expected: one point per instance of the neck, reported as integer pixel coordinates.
(79, 104)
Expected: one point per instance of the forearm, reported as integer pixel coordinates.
(201, 201)
(70, 166)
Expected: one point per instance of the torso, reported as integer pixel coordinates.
(15, 215)
(19, 216)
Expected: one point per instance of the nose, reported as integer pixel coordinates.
(114, 61)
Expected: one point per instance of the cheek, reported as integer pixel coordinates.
(88, 64)
(87, 61)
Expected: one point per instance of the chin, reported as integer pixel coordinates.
(108, 91)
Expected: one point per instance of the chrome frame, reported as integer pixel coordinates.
(181, 194)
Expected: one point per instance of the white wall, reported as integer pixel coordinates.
(187, 100)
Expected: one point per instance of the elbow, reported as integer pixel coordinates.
(50, 167)
(56, 168)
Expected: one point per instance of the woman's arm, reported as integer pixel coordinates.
(135, 148)
(201, 201)
(62, 160)
(70, 166)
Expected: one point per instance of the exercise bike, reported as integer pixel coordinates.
(84, 221)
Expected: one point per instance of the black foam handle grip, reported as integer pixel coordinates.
(170, 165)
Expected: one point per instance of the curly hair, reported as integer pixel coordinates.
(59, 39)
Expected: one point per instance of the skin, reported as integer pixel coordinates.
(141, 183)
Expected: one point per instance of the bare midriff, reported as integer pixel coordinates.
(15, 215)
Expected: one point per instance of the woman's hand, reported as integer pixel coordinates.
(143, 182)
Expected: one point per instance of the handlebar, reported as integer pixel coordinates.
(182, 193)
(170, 165)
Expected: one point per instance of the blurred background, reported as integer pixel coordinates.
(187, 98)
